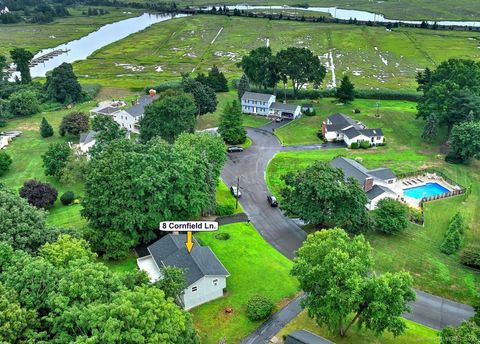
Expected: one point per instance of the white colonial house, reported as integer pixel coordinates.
(377, 183)
(266, 105)
(339, 127)
(87, 141)
(127, 118)
(205, 276)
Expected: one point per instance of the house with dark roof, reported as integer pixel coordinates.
(339, 127)
(87, 141)
(266, 105)
(305, 337)
(205, 276)
(127, 118)
(377, 183)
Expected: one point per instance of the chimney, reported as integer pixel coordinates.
(368, 184)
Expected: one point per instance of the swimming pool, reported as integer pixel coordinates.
(427, 190)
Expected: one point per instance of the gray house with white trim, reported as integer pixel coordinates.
(205, 275)
(339, 127)
(376, 183)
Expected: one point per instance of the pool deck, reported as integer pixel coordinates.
(416, 181)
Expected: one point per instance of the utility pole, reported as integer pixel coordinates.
(238, 189)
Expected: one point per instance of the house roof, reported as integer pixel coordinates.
(139, 108)
(108, 110)
(376, 191)
(371, 132)
(351, 132)
(284, 107)
(87, 137)
(353, 169)
(200, 262)
(263, 97)
(340, 120)
(305, 337)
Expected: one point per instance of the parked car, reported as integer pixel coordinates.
(272, 201)
(233, 149)
(235, 192)
(278, 119)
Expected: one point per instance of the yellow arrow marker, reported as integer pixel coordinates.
(189, 243)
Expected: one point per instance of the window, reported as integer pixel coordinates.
(194, 289)
(215, 282)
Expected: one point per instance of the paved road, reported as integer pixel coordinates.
(286, 236)
(273, 325)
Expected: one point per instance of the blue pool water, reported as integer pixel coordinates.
(429, 189)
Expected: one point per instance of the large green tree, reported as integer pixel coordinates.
(62, 85)
(467, 333)
(74, 124)
(260, 66)
(391, 216)
(172, 282)
(168, 117)
(300, 66)
(465, 141)
(243, 86)
(203, 95)
(334, 271)
(320, 195)
(106, 130)
(23, 103)
(22, 58)
(55, 159)
(230, 127)
(345, 93)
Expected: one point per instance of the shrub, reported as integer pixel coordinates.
(259, 307)
(453, 236)
(46, 129)
(38, 194)
(470, 256)
(222, 236)
(23, 103)
(357, 110)
(415, 215)
(74, 123)
(364, 144)
(391, 216)
(452, 158)
(67, 198)
(224, 209)
(5, 162)
(354, 145)
(175, 84)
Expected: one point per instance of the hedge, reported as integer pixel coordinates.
(164, 86)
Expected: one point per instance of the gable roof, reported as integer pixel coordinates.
(376, 191)
(87, 137)
(139, 108)
(284, 107)
(342, 121)
(263, 97)
(108, 110)
(200, 262)
(353, 169)
(371, 132)
(305, 337)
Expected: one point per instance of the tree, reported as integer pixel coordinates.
(453, 236)
(430, 131)
(67, 198)
(38, 194)
(107, 129)
(346, 92)
(465, 141)
(243, 86)
(73, 124)
(3, 68)
(62, 85)
(391, 216)
(259, 307)
(334, 271)
(66, 249)
(172, 282)
(46, 130)
(467, 333)
(23, 226)
(203, 95)
(168, 118)
(5, 162)
(300, 65)
(23, 103)
(55, 159)
(130, 188)
(216, 80)
(22, 58)
(320, 195)
(230, 127)
(261, 68)
(75, 168)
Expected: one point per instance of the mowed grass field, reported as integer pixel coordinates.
(417, 249)
(372, 56)
(36, 37)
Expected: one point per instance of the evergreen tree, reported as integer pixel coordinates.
(453, 236)
(217, 80)
(230, 127)
(46, 129)
(62, 85)
(346, 92)
(243, 86)
(22, 58)
(430, 130)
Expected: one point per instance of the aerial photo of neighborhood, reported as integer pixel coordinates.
(270, 172)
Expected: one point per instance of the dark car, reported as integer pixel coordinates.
(272, 201)
(235, 192)
(233, 149)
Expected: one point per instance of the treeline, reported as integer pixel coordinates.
(36, 11)
(323, 19)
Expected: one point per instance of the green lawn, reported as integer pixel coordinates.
(416, 250)
(371, 56)
(255, 268)
(224, 197)
(415, 333)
